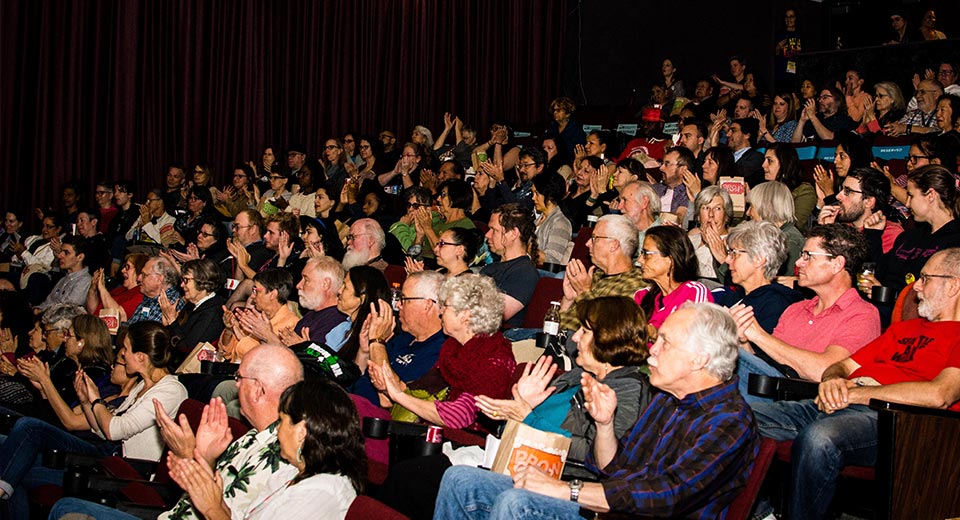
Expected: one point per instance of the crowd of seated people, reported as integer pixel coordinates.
(792, 214)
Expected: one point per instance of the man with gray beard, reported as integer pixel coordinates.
(914, 362)
(365, 245)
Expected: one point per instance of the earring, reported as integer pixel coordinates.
(300, 455)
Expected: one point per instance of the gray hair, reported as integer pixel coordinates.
(646, 190)
(368, 225)
(427, 283)
(479, 295)
(713, 333)
(761, 240)
(163, 267)
(707, 194)
(624, 231)
(329, 268)
(420, 129)
(61, 315)
(950, 258)
(773, 202)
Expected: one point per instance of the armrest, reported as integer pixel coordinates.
(881, 405)
(86, 486)
(781, 388)
(217, 368)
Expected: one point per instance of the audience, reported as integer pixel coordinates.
(229, 283)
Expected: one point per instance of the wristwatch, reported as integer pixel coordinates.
(575, 486)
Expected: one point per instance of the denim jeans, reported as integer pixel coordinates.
(822, 445)
(747, 364)
(75, 506)
(477, 494)
(21, 452)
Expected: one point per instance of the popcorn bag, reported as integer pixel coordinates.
(523, 444)
(111, 317)
(737, 189)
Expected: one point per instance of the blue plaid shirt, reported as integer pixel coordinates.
(149, 308)
(684, 458)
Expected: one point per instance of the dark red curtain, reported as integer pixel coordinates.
(93, 89)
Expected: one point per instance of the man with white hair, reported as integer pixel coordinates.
(612, 248)
(365, 245)
(914, 362)
(318, 288)
(414, 351)
(641, 204)
(688, 455)
(159, 280)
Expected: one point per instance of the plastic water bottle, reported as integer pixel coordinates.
(395, 296)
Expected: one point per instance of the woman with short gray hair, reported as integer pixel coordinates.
(713, 211)
(773, 202)
(475, 360)
(755, 251)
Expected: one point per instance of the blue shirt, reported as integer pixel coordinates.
(338, 335)
(149, 308)
(685, 457)
(410, 359)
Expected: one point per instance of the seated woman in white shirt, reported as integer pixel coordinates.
(321, 437)
(131, 429)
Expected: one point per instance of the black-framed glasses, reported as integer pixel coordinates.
(925, 277)
(277, 177)
(443, 243)
(915, 158)
(847, 190)
(205, 234)
(364, 146)
(185, 279)
(805, 255)
(331, 147)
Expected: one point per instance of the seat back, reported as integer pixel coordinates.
(580, 251)
(741, 506)
(365, 508)
(395, 274)
(547, 290)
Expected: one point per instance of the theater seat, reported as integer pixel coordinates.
(742, 506)
(366, 508)
(547, 290)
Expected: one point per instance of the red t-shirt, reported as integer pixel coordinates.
(912, 350)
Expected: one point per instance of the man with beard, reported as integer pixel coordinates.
(830, 120)
(923, 118)
(365, 245)
(862, 196)
(914, 362)
(670, 189)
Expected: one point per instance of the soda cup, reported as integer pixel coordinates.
(434, 434)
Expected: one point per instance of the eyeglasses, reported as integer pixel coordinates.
(67, 334)
(239, 176)
(364, 146)
(444, 306)
(275, 177)
(915, 158)
(47, 332)
(193, 198)
(805, 255)
(205, 234)
(925, 277)
(847, 190)
(735, 252)
(646, 252)
(331, 147)
(524, 166)
(945, 72)
(595, 237)
(185, 279)
(352, 236)
(238, 378)
(442, 243)
(348, 140)
(924, 92)
(405, 299)
(104, 192)
(149, 200)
